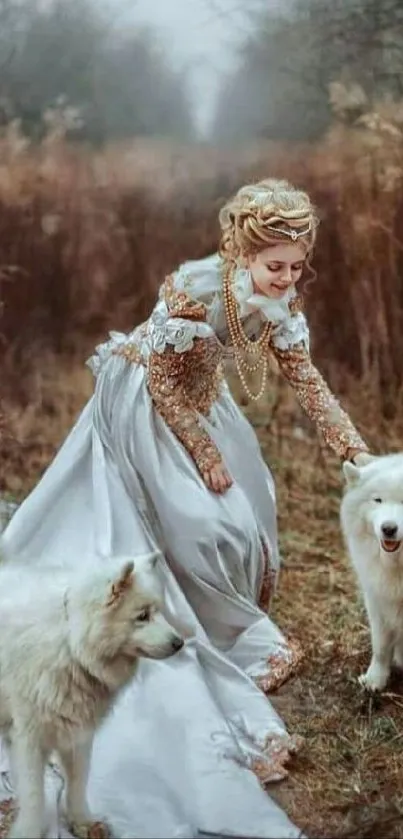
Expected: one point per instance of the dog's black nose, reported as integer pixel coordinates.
(389, 529)
(177, 644)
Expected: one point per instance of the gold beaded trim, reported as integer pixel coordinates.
(130, 352)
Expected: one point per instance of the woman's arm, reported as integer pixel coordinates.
(167, 374)
(290, 345)
(181, 384)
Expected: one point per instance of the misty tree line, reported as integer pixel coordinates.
(121, 82)
(280, 88)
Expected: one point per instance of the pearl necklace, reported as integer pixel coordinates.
(258, 348)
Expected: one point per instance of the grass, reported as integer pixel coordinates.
(346, 780)
(84, 242)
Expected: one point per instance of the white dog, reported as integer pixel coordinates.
(69, 642)
(372, 523)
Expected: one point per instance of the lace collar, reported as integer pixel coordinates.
(249, 302)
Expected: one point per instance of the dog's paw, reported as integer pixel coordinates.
(374, 680)
(90, 829)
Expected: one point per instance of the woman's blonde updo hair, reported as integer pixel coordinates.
(248, 218)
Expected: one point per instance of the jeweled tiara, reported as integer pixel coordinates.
(291, 232)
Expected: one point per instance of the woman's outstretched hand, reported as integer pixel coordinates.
(218, 478)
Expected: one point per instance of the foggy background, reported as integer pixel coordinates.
(219, 71)
(202, 37)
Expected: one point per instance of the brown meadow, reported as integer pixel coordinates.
(85, 240)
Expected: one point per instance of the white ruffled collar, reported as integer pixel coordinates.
(249, 302)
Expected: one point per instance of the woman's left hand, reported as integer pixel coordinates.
(218, 478)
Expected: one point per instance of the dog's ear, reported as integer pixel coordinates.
(154, 558)
(148, 561)
(121, 585)
(364, 458)
(351, 473)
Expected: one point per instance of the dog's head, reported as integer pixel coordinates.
(373, 501)
(117, 611)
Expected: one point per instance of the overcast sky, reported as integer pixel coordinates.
(201, 35)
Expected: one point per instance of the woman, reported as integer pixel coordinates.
(162, 457)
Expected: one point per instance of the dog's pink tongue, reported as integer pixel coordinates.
(390, 545)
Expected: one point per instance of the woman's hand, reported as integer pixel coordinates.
(218, 478)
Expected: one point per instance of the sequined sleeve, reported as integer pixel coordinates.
(184, 372)
(291, 349)
(167, 383)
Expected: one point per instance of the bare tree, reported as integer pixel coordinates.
(72, 51)
(280, 88)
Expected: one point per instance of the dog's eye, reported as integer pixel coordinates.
(378, 500)
(144, 616)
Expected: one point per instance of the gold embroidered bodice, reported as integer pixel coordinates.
(183, 349)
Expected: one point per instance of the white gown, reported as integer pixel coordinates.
(190, 745)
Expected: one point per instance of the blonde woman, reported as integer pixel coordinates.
(163, 457)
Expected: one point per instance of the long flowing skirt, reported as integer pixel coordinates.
(192, 742)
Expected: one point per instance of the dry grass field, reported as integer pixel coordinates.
(85, 240)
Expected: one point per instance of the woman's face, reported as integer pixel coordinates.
(276, 268)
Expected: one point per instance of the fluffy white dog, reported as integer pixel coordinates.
(69, 642)
(372, 523)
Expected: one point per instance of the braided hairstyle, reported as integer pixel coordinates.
(259, 215)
